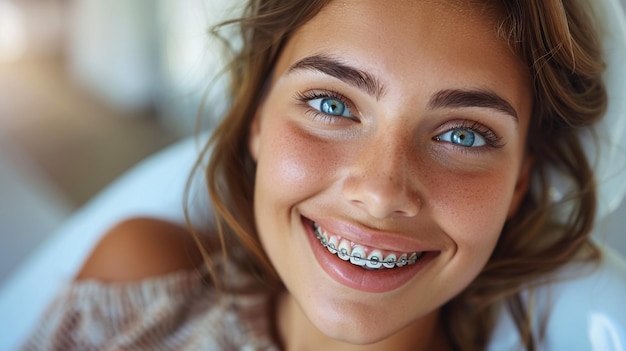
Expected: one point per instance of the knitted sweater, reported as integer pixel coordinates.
(180, 311)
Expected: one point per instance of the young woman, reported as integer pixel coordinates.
(380, 182)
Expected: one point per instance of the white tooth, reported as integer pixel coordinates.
(413, 258)
(333, 243)
(390, 261)
(374, 259)
(357, 256)
(315, 226)
(325, 236)
(402, 260)
(344, 250)
(318, 232)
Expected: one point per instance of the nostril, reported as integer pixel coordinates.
(382, 185)
(381, 203)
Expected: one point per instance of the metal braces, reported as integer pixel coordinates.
(343, 253)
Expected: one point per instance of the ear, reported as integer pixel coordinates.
(254, 139)
(522, 185)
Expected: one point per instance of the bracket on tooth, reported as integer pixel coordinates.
(374, 260)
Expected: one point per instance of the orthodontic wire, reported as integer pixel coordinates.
(343, 252)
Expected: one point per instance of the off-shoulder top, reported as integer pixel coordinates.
(180, 311)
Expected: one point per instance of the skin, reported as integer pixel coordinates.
(140, 248)
(390, 168)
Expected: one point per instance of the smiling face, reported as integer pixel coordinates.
(390, 151)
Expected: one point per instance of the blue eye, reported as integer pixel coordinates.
(331, 107)
(462, 137)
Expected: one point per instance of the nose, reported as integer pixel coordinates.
(380, 180)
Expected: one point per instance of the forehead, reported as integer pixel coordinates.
(456, 42)
(405, 21)
(403, 27)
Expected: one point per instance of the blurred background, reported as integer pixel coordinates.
(90, 87)
(87, 89)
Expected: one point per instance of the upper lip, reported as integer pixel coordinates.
(385, 240)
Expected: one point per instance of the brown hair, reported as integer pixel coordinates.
(560, 45)
(559, 42)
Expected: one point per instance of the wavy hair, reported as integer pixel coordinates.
(558, 41)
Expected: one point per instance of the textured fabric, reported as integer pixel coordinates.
(180, 311)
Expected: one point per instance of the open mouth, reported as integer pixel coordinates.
(364, 267)
(362, 255)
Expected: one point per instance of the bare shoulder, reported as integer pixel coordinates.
(140, 248)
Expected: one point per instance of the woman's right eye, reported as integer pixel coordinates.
(331, 106)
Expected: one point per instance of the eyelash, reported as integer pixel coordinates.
(491, 138)
(305, 97)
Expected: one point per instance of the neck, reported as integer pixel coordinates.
(298, 333)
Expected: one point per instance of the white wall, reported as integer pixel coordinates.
(31, 207)
(112, 50)
(612, 230)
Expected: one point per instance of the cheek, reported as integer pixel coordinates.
(291, 164)
(472, 209)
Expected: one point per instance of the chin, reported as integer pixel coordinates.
(354, 334)
(352, 328)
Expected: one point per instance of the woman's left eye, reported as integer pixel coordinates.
(463, 137)
(330, 106)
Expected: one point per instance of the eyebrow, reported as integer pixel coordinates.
(455, 98)
(449, 98)
(342, 71)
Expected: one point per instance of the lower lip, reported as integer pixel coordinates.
(358, 278)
